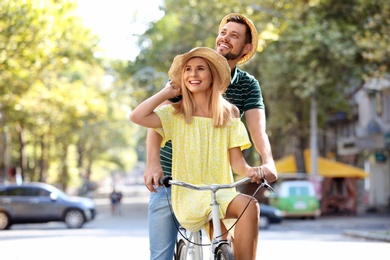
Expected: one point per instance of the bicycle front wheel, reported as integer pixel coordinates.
(181, 250)
(224, 252)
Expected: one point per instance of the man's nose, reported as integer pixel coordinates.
(225, 37)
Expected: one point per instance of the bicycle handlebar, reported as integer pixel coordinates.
(167, 182)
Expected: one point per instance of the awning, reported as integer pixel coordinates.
(326, 168)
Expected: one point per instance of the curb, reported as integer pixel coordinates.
(372, 235)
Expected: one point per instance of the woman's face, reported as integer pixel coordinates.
(197, 75)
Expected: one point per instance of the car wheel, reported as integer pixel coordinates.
(74, 218)
(5, 222)
(264, 222)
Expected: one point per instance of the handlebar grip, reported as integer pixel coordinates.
(164, 181)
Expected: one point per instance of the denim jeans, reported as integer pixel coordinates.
(162, 229)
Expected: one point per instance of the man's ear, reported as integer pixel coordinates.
(247, 48)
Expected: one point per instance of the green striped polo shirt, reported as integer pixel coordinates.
(244, 92)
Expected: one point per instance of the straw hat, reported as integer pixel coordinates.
(255, 37)
(217, 60)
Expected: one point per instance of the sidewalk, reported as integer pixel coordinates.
(371, 235)
(371, 226)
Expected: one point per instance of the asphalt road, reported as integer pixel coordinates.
(126, 237)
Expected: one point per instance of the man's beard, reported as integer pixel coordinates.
(232, 56)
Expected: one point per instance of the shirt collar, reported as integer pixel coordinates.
(233, 75)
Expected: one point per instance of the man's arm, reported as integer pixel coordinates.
(256, 123)
(241, 167)
(153, 171)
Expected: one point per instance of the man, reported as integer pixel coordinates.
(237, 42)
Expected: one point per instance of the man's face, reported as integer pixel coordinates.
(230, 41)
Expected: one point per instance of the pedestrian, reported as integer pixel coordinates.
(119, 196)
(237, 41)
(114, 201)
(206, 126)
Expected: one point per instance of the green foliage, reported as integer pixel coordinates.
(322, 47)
(373, 37)
(318, 51)
(58, 116)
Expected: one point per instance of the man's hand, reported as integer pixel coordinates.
(270, 171)
(153, 171)
(152, 174)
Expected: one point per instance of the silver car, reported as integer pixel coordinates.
(40, 203)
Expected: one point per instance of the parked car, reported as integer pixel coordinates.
(296, 198)
(269, 215)
(40, 203)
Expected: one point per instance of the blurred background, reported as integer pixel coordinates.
(71, 71)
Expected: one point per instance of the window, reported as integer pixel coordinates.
(36, 192)
(26, 191)
(15, 192)
(299, 191)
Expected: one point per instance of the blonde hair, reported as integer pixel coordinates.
(221, 109)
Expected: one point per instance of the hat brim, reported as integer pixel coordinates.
(255, 36)
(217, 60)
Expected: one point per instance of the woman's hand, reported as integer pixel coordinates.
(172, 89)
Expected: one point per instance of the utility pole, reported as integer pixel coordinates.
(313, 146)
(313, 136)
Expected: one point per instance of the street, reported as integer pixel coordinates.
(126, 237)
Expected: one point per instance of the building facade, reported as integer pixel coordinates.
(367, 138)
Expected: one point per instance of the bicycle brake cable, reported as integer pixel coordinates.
(247, 205)
(227, 231)
(177, 227)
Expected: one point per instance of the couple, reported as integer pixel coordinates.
(208, 137)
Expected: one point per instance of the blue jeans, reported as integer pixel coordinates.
(162, 229)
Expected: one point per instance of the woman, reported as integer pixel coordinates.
(208, 137)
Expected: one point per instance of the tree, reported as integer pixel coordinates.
(327, 48)
(53, 95)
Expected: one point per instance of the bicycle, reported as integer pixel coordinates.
(191, 247)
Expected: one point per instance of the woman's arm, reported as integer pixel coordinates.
(143, 114)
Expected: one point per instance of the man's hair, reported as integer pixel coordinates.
(239, 19)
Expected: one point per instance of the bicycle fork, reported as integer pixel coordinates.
(217, 234)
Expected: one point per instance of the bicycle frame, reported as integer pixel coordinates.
(194, 251)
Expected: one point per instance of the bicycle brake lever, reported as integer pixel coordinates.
(165, 181)
(266, 185)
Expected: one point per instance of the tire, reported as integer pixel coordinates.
(264, 222)
(181, 250)
(224, 252)
(74, 218)
(5, 221)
